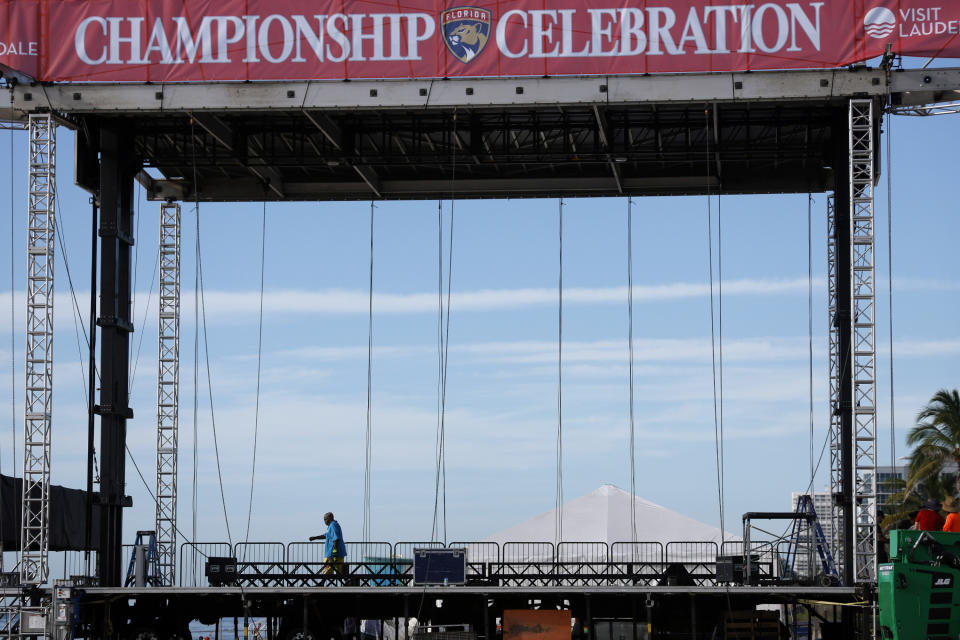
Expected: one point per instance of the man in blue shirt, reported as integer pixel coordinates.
(335, 551)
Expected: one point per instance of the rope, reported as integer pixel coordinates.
(198, 284)
(446, 335)
(713, 340)
(440, 489)
(369, 434)
(196, 325)
(76, 307)
(893, 423)
(810, 321)
(136, 262)
(558, 525)
(213, 421)
(13, 333)
(150, 491)
(13, 372)
(440, 484)
(438, 452)
(723, 469)
(143, 324)
(256, 410)
(633, 475)
(446, 366)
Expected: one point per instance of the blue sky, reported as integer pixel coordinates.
(502, 381)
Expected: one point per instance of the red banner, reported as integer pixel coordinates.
(203, 40)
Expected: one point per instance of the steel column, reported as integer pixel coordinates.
(168, 391)
(117, 169)
(863, 307)
(34, 541)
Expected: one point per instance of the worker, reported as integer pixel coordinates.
(334, 551)
(929, 518)
(952, 506)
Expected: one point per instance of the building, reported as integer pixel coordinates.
(886, 482)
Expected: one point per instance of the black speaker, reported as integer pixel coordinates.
(221, 571)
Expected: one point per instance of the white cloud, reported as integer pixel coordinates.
(236, 305)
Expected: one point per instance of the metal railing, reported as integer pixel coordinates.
(512, 564)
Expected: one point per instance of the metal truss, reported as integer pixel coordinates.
(168, 391)
(34, 541)
(836, 458)
(863, 307)
(586, 150)
(936, 109)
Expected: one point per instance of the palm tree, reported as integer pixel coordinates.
(936, 438)
(905, 502)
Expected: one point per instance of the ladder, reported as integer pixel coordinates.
(806, 512)
(146, 540)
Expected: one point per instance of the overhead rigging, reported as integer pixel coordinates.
(13, 365)
(443, 357)
(717, 396)
(368, 440)
(558, 524)
(201, 325)
(633, 474)
(443, 347)
(893, 421)
(256, 410)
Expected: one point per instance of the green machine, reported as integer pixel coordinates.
(919, 589)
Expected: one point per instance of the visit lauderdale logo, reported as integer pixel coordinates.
(879, 22)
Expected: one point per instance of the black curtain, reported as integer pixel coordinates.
(67, 516)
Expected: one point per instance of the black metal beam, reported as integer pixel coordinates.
(117, 170)
(841, 209)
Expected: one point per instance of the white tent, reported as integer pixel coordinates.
(603, 515)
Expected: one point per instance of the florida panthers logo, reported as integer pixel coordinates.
(466, 31)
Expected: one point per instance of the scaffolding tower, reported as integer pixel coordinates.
(833, 345)
(168, 392)
(34, 542)
(863, 307)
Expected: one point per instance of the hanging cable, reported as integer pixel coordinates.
(13, 417)
(136, 263)
(893, 422)
(446, 333)
(440, 490)
(558, 525)
(713, 339)
(439, 505)
(633, 473)
(810, 322)
(89, 376)
(438, 450)
(196, 326)
(13, 337)
(440, 484)
(446, 368)
(368, 463)
(256, 409)
(723, 470)
(77, 315)
(213, 421)
(143, 323)
(198, 280)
